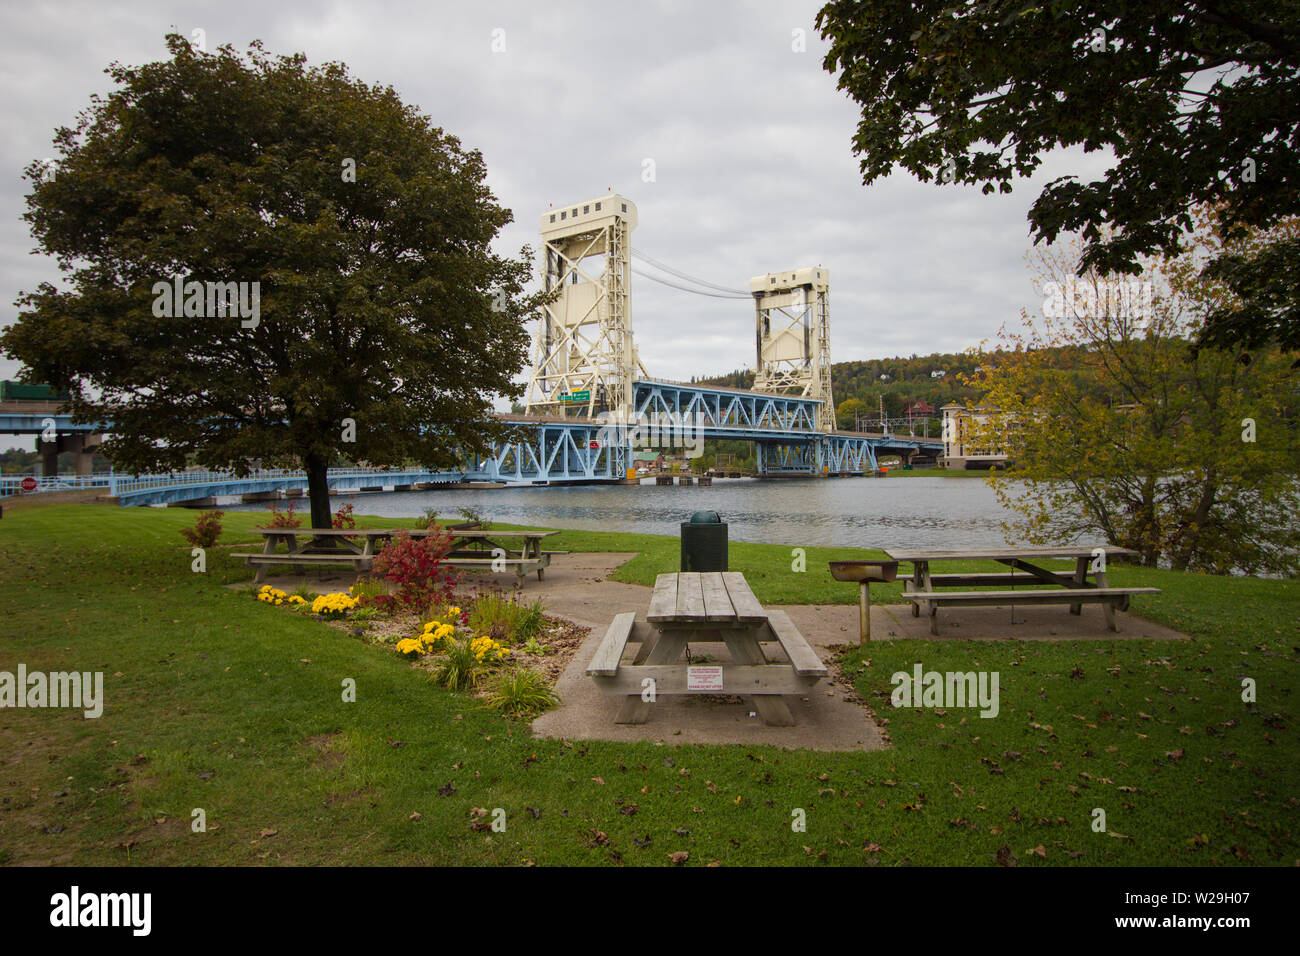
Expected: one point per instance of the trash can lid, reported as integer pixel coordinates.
(705, 517)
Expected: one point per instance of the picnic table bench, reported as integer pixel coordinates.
(324, 546)
(1072, 588)
(716, 607)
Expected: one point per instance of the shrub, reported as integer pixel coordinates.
(475, 516)
(430, 519)
(520, 692)
(502, 617)
(206, 530)
(282, 519)
(459, 667)
(413, 570)
(343, 519)
(531, 620)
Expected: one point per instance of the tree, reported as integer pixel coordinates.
(846, 415)
(1198, 99)
(1189, 461)
(373, 320)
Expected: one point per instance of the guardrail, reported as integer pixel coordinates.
(117, 484)
(13, 484)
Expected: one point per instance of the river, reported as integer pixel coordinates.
(920, 512)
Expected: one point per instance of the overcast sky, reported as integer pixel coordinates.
(751, 143)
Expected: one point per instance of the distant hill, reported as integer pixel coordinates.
(905, 382)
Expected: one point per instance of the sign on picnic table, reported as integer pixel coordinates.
(704, 678)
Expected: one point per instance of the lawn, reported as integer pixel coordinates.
(219, 703)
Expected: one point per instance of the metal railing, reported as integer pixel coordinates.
(118, 484)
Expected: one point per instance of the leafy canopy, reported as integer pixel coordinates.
(380, 299)
(1191, 462)
(1198, 99)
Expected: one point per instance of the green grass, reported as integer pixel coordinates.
(215, 701)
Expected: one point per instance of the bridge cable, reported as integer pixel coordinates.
(715, 295)
(689, 278)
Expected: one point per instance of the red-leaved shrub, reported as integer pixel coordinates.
(343, 517)
(414, 572)
(206, 530)
(282, 519)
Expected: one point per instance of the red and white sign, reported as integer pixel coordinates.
(594, 445)
(704, 679)
(29, 483)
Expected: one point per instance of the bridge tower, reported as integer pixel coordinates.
(792, 334)
(584, 361)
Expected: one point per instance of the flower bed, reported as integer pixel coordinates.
(506, 653)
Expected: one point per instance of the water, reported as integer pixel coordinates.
(957, 513)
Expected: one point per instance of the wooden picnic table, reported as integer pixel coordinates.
(1072, 588)
(523, 558)
(313, 551)
(488, 549)
(692, 607)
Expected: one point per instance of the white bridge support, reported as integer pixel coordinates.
(792, 335)
(584, 361)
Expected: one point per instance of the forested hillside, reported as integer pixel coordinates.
(900, 382)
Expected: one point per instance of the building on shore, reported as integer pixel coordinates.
(959, 450)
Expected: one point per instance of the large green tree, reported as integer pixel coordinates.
(383, 323)
(1199, 100)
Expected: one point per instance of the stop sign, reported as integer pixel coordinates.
(29, 483)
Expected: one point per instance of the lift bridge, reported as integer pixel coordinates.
(590, 404)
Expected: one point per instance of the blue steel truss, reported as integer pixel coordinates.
(557, 451)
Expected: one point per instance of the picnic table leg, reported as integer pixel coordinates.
(268, 547)
(745, 649)
(293, 547)
(917, 568)
(1080, 579)
(533, 549)
(666, 650)
(931, 607)
(1107, 606)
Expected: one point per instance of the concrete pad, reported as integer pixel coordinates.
(827, 625)
(828, 717)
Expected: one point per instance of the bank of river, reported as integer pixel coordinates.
(921, 512)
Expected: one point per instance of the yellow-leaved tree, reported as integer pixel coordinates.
(1117, 427)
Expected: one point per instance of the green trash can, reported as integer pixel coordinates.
(704, 542)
